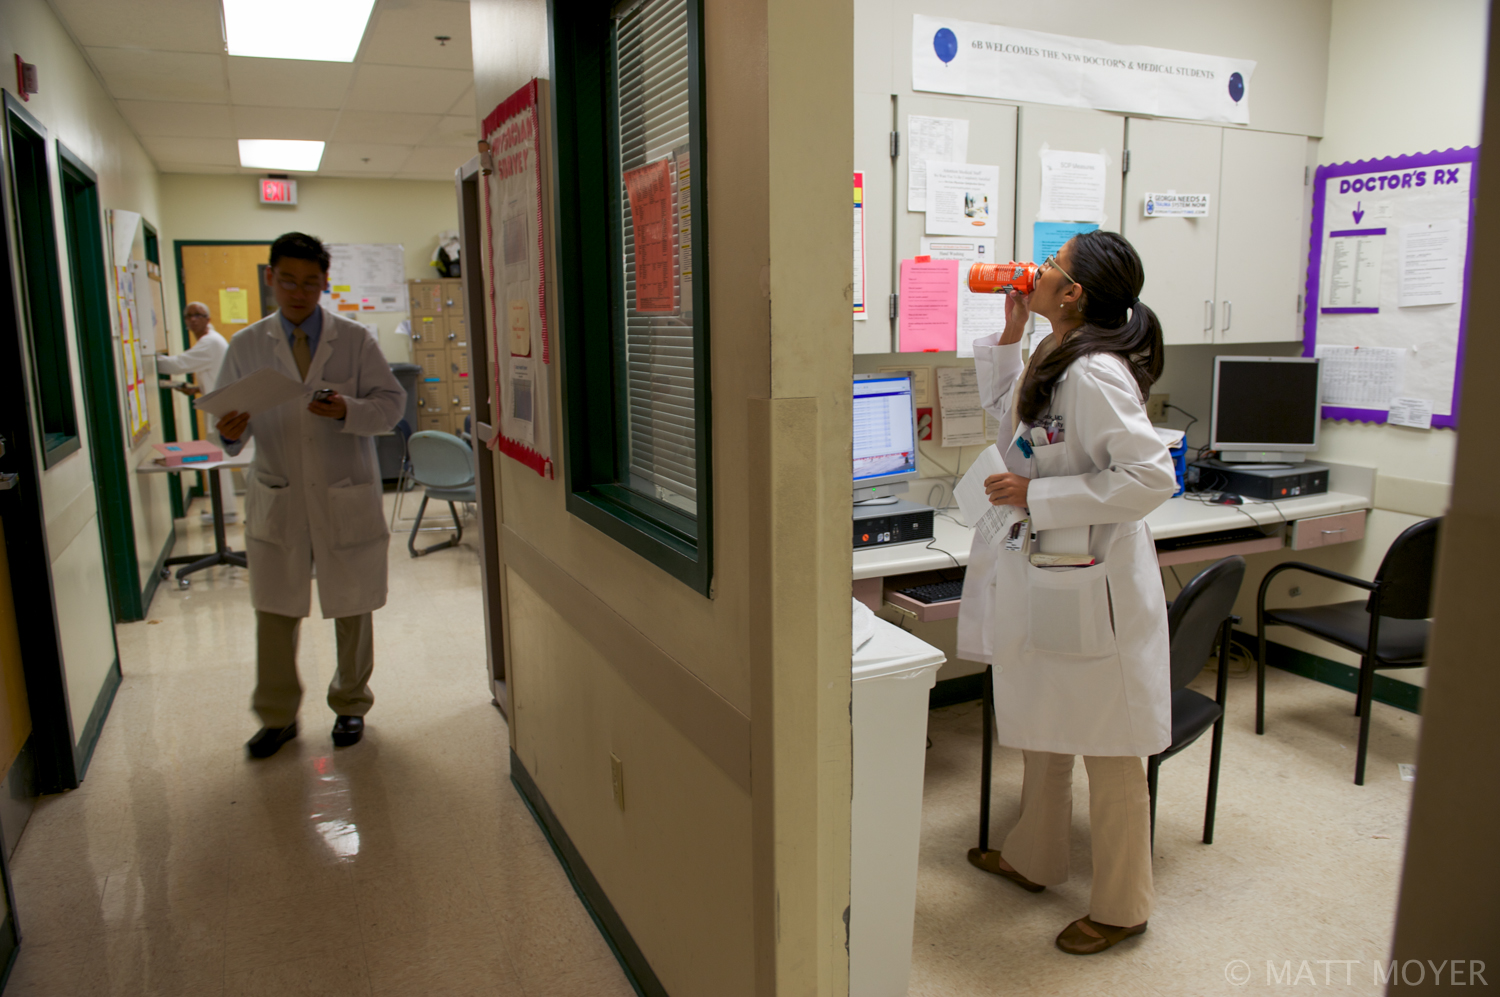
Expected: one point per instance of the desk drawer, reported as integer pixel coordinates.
(1326, 530)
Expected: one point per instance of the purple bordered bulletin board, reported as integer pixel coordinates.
(1360, 210)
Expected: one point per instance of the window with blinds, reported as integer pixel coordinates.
(655, 361)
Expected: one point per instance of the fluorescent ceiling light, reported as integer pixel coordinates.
(280, 154)
(318, 30)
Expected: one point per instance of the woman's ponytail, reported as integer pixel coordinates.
(1115, 321)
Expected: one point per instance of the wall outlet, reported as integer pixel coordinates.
(1156, 407)
(1294, 591)
(617, 777)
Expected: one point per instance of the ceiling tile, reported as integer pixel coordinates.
(288, 82)
(198, 168)
(436, 162)
(457, 131)
(284, 122)
(350, 157)
(195, 151)
(407, 35)
(166, 25)
(385, 127)
(402, 88)
(168, 119)
(132, 74)
(465, 105)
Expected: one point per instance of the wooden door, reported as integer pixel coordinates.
(1178, 253)
(217, 274)
(1262, 238)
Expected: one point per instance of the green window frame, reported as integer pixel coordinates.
(628, 111)
(41, 284)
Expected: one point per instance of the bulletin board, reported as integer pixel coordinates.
(1387, 285)
(516, 279)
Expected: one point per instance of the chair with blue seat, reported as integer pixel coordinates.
(443, 465)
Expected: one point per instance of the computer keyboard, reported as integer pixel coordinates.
(935, 592)
(1210, 539)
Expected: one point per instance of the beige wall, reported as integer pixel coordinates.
(411, 212)
(1452, 873)
(76, 111)
(744, 819)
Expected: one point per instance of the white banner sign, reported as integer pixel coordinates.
(1175, 205)
(989, 60)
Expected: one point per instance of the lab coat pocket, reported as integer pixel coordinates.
(357, 515)
(266, 498)
(1068, 611)
(1049, 461)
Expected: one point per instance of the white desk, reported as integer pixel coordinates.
(222, 554)
(1176, 517)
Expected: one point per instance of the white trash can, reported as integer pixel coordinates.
(892, 675)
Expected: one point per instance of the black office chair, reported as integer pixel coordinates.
(1201, 615)
(1387, 630)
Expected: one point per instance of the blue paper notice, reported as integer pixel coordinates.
(1048, 237)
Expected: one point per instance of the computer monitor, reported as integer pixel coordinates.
(1266, 409)
(885, 436)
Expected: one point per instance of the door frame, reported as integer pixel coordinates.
(466, 181)
(83, 231)
(26, 533)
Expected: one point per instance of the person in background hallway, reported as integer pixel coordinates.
(313, 492)
(1081, 657)
(203, 360)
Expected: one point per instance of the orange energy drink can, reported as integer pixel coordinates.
(1000, 278)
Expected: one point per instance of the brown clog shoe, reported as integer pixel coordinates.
(1086, 936)
(989, 861)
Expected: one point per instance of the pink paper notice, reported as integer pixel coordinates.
(929, 306)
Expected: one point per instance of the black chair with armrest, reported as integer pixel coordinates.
(1201, 615)
(1387, 630)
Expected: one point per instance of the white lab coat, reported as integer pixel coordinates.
(205, 359)
(1081, 656)
(313, 491)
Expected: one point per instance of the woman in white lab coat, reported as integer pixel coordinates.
(203, 360)
(1080, 654)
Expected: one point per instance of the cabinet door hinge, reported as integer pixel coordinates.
(1306, 175)
(895, 305)
(1126, 168)
(895, 144)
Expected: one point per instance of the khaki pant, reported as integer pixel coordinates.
(278, 691)
(1119, 824)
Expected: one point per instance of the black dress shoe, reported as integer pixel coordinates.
(268, 740)
(347, 731)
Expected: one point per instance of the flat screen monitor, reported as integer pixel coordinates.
(885, 432)
(1266, 408)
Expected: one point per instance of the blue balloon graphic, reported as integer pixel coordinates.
(945, 44)
(1236, 86)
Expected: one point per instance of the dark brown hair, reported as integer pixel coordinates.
(1114, 320)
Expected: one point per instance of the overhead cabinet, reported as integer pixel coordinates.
(1234, 275)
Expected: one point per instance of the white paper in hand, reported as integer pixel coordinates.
(990, 520)
(254, 393)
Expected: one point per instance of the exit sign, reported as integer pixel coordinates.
(278, 191)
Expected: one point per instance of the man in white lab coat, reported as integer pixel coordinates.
(313, 494)
(203, 360)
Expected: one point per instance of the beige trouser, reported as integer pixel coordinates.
(278, 692)
(1119, 824)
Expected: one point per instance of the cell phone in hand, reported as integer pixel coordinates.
(323, 394)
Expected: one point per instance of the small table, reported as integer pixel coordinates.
(222, 554)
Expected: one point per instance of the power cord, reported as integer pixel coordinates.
(1192, 420)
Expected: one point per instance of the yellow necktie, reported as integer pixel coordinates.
(301, 353)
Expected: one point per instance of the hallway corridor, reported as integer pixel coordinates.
(405, 865)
